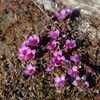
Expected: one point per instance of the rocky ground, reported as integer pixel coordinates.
(22, 18)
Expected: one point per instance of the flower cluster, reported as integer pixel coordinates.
(58, 58)
(26, 53)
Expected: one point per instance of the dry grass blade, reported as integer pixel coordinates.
(45, 13)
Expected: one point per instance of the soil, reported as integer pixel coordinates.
(20, 19)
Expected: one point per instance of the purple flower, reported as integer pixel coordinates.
(75, 58)
(63, 13)
(50, 66)
(87, 83)
(26, 53)
(54, 34)
(75, 83)
(25, 43)
(89, 70)
(58, 53)
(48, 69)
(58, 60)
(59, 81)
(66, 62)
(34, 40)
(30, 70)
(70, 44)
(49, 63)
(73, 72)
(79, 81)
(52, 46)
(23, 52)
(30, 55)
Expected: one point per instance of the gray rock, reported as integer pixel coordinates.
(48, 4)
(85, 27)
(88, 8)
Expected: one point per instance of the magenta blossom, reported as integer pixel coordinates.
(58, 53)
(34, 40)
(75, 58)
(59, 81)
(25, 43)
(52, 46)
(70, 44)
(59, 60)
(50, 66)
(49, 63)
(54, 34)
(79, 81)
(89, 70)
(23, 50)
(30, 55)
(30, 70)
(63, 13)
(48, 69)
(26, 53)
(73, 72)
